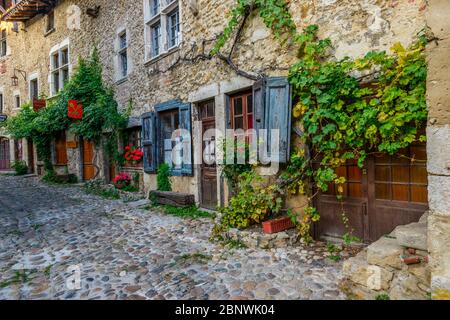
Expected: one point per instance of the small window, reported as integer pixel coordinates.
(17, 102)
(123, 55)
(242, 111)
(133, 138)
(1, 102)
(3, 43)
(50, 21)
(34, 89)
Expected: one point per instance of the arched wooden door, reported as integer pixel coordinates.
(4, 154)
(88, 160)
(389, 191)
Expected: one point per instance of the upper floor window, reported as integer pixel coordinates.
(59, 69)
(162, 24)
(34, 89)
(50, 21)
(123, 55)
(3, 43)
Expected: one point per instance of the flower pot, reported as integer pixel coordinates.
(277, 225)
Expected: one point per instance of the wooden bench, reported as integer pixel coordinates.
(172, 198)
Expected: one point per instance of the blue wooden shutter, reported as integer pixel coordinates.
(273, 105)
(185, 123)
(258, 104)
(149, 142)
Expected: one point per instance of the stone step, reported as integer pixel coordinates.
(386, 252)
(360, 272)
(413, 235)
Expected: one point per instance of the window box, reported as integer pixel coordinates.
(277, 225)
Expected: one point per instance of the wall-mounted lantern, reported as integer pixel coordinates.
(15, 79)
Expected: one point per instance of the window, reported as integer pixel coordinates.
(59, 64)
(123, 55)
(163, 31)
(133, 137)
(173, 28)
(1, 102)
(170, 121)
(154, 7)
(34, 89)
(166, 138)
(242, 111)
(17, 102)
(50, 22)
(3, 43)
(156, 39)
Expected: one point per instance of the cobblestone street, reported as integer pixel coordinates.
(124, 251)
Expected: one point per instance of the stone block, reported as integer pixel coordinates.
(438, 243)
(439, 194)
(437, 17)
(385, 252)
(359, 271)
(438, 146)
(421, 272)
(438, 82)
(413, 235)
(405, 286)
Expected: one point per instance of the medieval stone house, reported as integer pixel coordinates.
(154, 56)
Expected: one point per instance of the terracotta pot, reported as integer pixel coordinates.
(277, 225)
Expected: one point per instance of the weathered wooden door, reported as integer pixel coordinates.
(208, 167)
(389, 191)
(61, 149)
(88, 160)
(30, 149)
(4, 154)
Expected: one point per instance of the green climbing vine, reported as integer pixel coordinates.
(347, 110)
(101, 118)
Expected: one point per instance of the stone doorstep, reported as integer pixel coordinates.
(413, 235)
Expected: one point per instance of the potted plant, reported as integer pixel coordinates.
(122, 180)
(133, 156)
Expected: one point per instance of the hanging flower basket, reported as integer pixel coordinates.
(277, 225)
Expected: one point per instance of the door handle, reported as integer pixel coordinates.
(364, 171)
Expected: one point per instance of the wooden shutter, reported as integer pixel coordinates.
(148, 142)
(185, 123)
(272, 105)
(258, 104)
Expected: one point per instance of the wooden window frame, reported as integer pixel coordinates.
(245, 114)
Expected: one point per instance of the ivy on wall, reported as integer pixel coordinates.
(347, 109)
(100, 118)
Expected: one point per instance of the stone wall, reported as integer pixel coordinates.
(438, 146)
(354, 28)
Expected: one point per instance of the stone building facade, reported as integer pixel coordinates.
(154, 58)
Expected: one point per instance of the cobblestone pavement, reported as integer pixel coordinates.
(123, 251)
